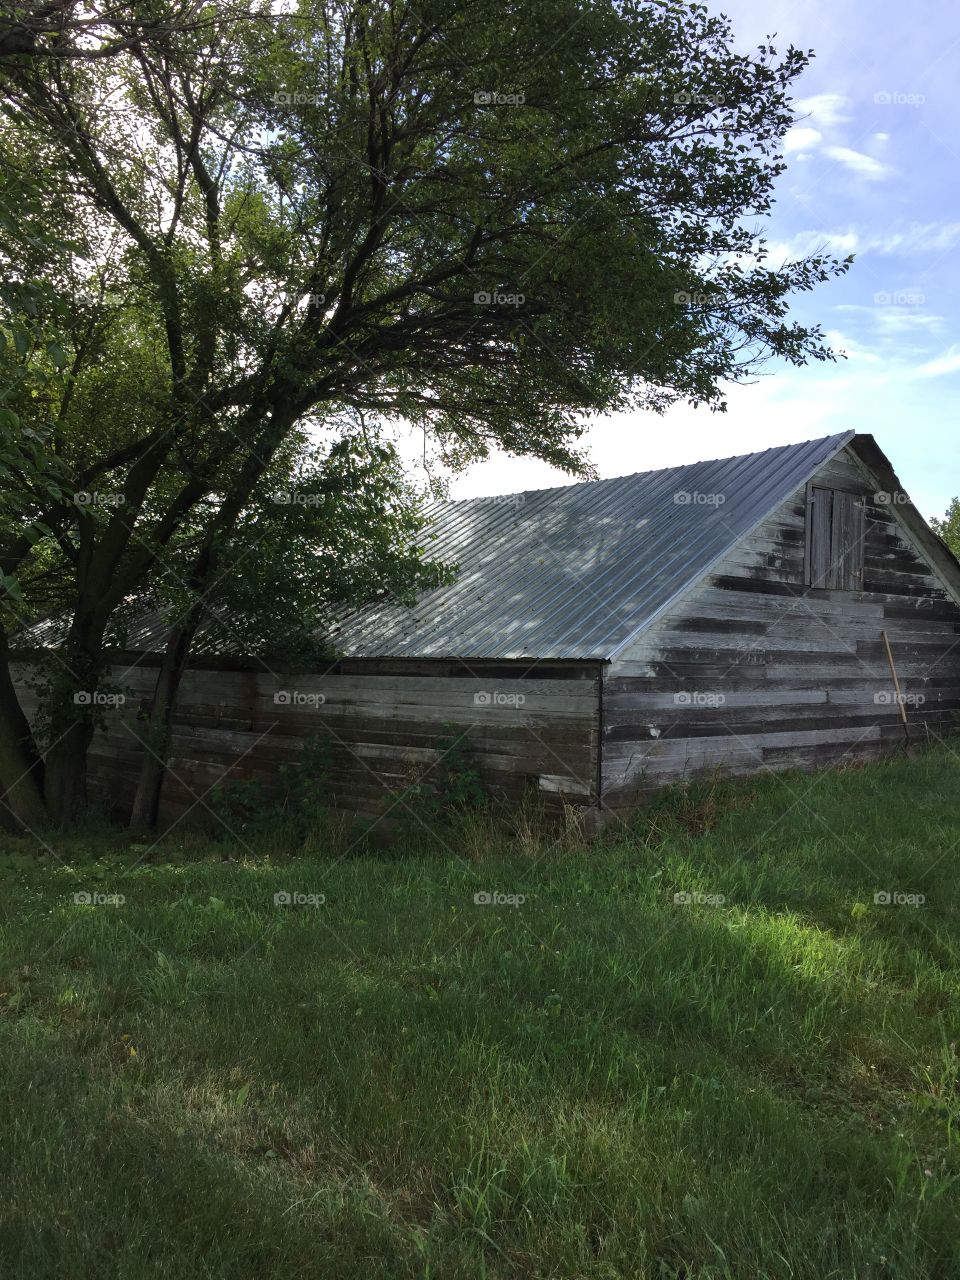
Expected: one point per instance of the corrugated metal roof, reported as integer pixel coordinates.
(562, 573)
(578, 571)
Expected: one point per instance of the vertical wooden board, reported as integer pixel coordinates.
(846, 540)
(807, 535)
(859, 538)
(821, 527)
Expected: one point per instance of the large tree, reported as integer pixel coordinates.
(489, 220)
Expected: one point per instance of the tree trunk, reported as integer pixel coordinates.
(72, 714)
(65, 774)
(21, 768)
(180, 641)
(146, 804)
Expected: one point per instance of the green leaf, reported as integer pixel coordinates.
(10, 586)
(57, 354)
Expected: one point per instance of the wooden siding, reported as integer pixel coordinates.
(752, 670)
(529, 730)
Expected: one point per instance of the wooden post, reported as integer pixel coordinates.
(896, 685)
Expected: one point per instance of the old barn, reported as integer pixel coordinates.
(784, 608)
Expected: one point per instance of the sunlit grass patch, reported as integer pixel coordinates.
(705, 1046)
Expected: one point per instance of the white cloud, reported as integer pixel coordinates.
(920, 237)
(806, 242)
(844, 345)
(801, 138)
(898, 337)
(827, 109)
(896, 320)
(858, 162)
(948, 363)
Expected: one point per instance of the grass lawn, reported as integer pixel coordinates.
(596, 1082)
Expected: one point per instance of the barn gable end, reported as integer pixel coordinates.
(754, 669)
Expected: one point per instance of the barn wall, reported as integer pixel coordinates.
(525, 729)
(752, 670)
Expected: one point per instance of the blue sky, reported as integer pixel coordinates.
(874, 169)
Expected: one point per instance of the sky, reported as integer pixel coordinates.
(874, 170)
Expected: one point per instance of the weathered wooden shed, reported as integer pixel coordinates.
(604, 639)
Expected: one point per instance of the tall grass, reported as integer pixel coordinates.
(701, 1047)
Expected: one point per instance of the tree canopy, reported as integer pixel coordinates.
(491, 221)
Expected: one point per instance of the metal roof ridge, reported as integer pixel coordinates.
(446, 503)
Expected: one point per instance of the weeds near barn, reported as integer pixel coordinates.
(706, 1047)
